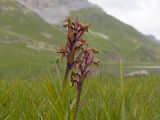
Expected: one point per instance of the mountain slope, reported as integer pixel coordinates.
(122, 39)
(27, 42)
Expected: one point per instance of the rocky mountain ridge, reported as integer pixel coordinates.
(54, 11)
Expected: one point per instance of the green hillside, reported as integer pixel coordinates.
(116, 39)
(27, 42)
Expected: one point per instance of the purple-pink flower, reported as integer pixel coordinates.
(84, 66)
(75, 40)
(80, 58)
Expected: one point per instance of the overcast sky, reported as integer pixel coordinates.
(144, 15)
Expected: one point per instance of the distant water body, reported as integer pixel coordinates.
(144, 67)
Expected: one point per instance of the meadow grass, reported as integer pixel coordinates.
(102, 99)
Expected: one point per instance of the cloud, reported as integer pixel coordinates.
(141, 14)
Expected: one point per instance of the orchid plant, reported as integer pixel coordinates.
(80, 58)
(74, 41)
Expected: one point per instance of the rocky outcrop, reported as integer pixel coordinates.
(137, 73)
(54, 11)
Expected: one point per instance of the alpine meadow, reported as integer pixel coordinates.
(71, 60)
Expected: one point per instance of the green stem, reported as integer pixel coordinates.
(77, 102)
(66, 76)
(65, 80)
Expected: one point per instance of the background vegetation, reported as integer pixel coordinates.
(102, 99)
